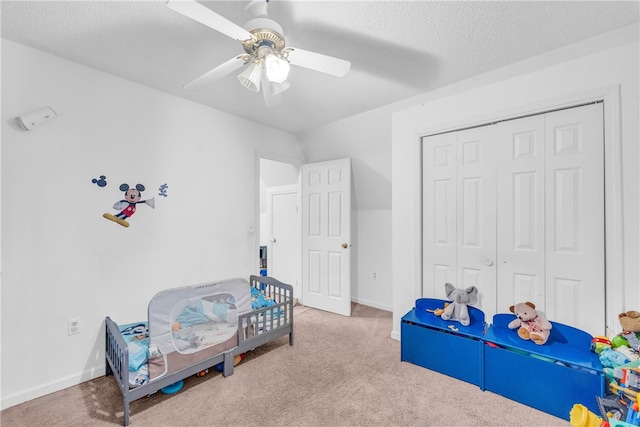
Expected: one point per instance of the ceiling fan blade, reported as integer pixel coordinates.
(319, 62)
(200, 13)
(217, 73)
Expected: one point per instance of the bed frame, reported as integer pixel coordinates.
(271, 328)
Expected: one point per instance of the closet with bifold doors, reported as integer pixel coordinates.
(516, 208)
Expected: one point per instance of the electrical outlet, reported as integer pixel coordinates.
(73, 326)
(375, 275)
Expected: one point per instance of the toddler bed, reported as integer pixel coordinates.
(193, 328)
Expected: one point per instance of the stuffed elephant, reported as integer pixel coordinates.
(458, 309)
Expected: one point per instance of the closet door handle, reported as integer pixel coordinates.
(489, 263)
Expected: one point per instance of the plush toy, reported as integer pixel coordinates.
(630, 321)
(457, 309)
(195, 340)
(611, 358)
(530, 325)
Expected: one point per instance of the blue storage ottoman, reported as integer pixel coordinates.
(443, 346)
(551, 377)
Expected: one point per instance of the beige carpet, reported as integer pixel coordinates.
(340, 372)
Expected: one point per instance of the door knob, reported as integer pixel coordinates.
(489, 263)
(345, 246)
(273, 240)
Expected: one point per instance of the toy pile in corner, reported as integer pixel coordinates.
(620, 359)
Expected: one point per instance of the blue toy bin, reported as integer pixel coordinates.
(444, 346)
(558, 374)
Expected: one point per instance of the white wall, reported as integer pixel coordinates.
(61, 259)
(373, 264)
(534, 82)
(366, 139)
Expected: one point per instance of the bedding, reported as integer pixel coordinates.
(203, 322)
(136, 335)
(260, 300)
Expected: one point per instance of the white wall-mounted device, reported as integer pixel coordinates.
(28, 121)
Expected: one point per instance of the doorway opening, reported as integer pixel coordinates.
(279, 228)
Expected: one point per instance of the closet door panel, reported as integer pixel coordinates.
(520, 213)
(476, 213)
(575, 238)
(439, 214)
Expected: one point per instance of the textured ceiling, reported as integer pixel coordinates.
(397, 49)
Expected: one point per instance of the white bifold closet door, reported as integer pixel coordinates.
(517, 209)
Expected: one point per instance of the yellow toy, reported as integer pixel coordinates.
(581, 416)
(439, 311)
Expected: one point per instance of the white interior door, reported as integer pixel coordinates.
(284, 243)
(547, 218)
(459, 203)
(326, 236)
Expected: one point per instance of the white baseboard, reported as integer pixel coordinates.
(373, 304)
(90, 374)
(49, 388)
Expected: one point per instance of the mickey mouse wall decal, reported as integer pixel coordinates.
(127, 206)
(100, 182)
(163, 190)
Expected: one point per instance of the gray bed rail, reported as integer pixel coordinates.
(268, 323)
(268, 327)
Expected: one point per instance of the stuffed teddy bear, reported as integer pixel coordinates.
(630, 321)
(530, 325)
(458, 309)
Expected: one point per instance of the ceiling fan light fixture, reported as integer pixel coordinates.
(250, 77)
(266, 55)
(277, 87)
(276, 68)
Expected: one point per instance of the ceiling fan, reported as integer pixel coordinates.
(267, 58)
